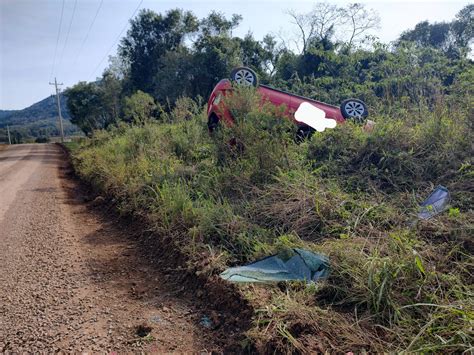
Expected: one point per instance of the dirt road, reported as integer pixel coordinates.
(70, 279)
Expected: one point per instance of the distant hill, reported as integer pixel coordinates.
(37, 120)
(44, 109)
(5, 113)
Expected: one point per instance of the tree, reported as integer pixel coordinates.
(175, 78)
(139, 107)
(150, 36)
(110, 95)
(286, 66)
(213, 59)
(452, 38)
(274, 52)
(215, 52)
(16, 137)
(216, 24)
(318, 24)
(257, 55)
(85, 103)
(118, 67)
(428, 35)
(463, 27)
(360, 21)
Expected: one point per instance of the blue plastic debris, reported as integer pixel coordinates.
(436, 203)
(293, 265)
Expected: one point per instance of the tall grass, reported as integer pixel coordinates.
(249, 190)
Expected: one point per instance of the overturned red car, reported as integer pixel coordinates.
(306, 113)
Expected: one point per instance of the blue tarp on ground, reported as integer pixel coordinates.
(296, 264)
(436, 203)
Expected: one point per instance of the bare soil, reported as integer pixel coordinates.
(74, 277)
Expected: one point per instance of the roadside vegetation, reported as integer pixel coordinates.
(397, 283)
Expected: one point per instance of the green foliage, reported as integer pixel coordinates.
(87, 108)
(453, 38)
(16, 137)
(150, 36)
(248, 190)
(185, 109)
(399, 154)
(139, 108)
(411, 78)
(258, 144)
(408, 78)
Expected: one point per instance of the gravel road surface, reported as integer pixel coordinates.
(73, 281)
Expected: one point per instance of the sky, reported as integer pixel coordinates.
(32, 54)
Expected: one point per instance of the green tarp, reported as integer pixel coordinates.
(292, 265)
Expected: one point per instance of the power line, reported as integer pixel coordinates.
(88, 31)
(116, 40)
(67, 35)
(57, 40)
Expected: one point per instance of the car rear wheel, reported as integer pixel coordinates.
(354, 109)
(244, 76)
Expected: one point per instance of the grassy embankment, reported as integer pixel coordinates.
(396, 283)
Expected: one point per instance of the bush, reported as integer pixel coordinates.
(139, 108)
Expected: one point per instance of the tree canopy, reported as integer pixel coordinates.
(175, 54)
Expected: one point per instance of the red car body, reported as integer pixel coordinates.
(216, 111)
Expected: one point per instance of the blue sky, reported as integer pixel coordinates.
(29, 30)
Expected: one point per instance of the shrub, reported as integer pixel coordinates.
(139, 107)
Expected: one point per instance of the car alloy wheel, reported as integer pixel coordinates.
(354, 109)
(244, 76)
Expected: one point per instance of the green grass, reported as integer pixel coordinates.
(71, 146)
(396, 283)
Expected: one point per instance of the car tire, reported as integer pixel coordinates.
(244, 76)
(354, 109)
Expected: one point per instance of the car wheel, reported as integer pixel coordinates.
(244, 76)
(354, 109)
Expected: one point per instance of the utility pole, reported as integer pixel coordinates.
(59, 109)
(9, 138)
